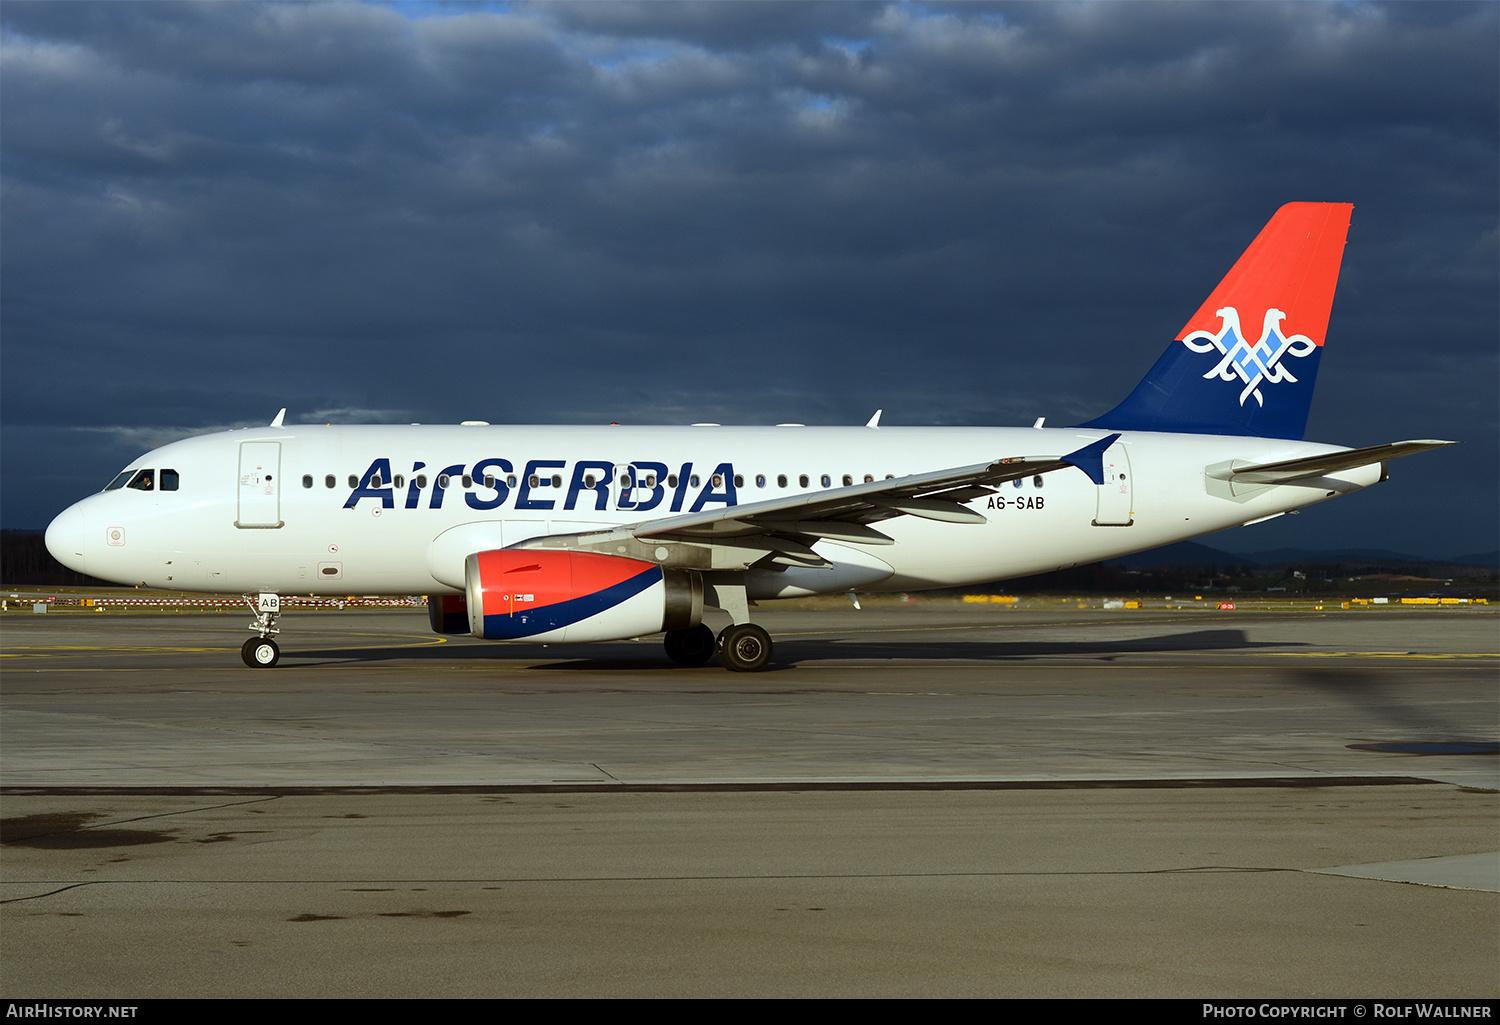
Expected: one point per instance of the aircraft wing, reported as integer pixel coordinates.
(785, 528)
(1289, 470)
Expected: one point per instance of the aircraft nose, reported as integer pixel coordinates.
(65, 537)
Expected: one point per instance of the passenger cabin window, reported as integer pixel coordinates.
(307, 480)
(781, 480)
(848, 480)
(354, 480)
(802, 480)
(143, 481)
(825, 480)
(468, 481)
(330, 481)
(1036, 481)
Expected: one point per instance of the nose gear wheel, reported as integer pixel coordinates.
(260, 653)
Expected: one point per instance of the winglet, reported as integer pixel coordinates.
(279, 417)
(1090, 458)
(874, 421)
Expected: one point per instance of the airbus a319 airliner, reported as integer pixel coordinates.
(563, 534)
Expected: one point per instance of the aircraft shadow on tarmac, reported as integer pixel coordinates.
(791, 652)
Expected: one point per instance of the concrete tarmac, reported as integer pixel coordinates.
(933, 799)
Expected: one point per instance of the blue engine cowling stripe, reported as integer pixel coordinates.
(529, 622)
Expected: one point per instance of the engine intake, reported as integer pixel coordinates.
(558, 596)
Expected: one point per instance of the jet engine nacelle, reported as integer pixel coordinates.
(556, 596)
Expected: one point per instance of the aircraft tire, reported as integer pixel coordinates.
(744, 648)
(691, 647)
(260, 653)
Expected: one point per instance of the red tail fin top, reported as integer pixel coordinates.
(1292, 266)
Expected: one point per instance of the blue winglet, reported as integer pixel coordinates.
(1090, 458)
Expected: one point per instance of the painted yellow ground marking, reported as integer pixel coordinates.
(38, 651)
(61, 649)
(1033, 625)
(1385, 655)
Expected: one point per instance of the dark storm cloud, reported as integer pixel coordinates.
(739, 212)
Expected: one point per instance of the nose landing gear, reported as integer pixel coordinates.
(262, 652)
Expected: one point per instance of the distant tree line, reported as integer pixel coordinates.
(1352, 577)
(1101, 577)
(24, 559)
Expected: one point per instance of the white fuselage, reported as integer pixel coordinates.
(254, 510)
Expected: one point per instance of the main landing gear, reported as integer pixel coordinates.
(742, 647)
(691, 647)
(262, 652)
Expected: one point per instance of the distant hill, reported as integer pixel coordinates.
(1278, 556)
(1490, 559)
(1185, 554)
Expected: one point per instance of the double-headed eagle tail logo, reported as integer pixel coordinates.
(1251, 363)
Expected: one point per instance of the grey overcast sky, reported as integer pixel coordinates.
(734, 212)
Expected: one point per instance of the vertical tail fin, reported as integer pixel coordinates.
(1217, 378)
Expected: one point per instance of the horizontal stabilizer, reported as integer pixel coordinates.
(1317, 466)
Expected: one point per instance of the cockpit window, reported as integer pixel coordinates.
(169, 480)
(119, 482)
(145, 480)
